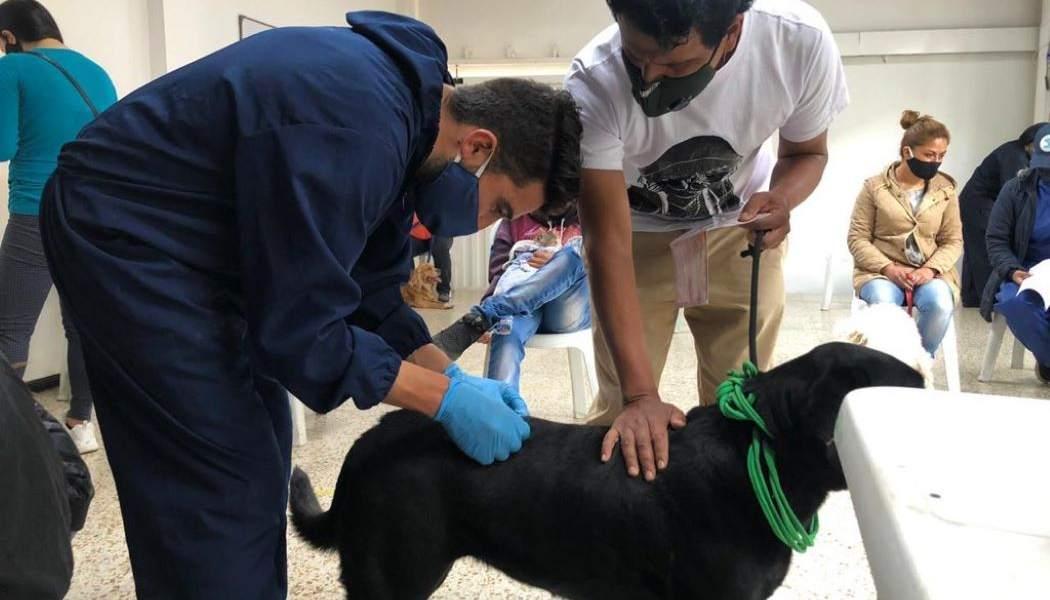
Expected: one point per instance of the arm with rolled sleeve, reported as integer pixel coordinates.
(306, 197)
(9, 107)
(605, 214)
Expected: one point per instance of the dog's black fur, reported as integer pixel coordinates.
(408, 503)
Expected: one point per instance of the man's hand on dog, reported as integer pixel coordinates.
(1019, 276)
(641, 430)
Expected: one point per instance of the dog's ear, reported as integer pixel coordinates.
(803, 397)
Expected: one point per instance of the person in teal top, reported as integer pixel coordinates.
(48, 92)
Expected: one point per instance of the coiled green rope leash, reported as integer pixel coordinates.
(737, 405)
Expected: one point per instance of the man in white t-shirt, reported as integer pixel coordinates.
(680, 100)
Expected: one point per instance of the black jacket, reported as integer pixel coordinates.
(36, 560)
(79, 489)
(1009, 231)
(999, 167)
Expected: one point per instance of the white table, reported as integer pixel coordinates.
(952, 492)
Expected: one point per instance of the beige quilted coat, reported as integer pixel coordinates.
(883, 219)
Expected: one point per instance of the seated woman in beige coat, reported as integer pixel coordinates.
(906, 235)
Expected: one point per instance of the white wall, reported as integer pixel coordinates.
(486, 28)
(113, 33)
(195, 28)
(984, 99)
(899, 15)
(532, 29)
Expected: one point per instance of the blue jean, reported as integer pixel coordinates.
(555, 299)
(1027, 319)
(933, 300)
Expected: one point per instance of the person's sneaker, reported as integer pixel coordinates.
(445, 297)
(1042, 373)
(83, 435)
(457, 337)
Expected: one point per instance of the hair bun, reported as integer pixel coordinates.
(909, 118)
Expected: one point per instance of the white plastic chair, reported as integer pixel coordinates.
(996, 332)
(581, 363)
(298, 420)
(829, 282)
(949, 347)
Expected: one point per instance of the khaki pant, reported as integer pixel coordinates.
(719, 328)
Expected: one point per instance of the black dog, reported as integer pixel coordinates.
(408, 503)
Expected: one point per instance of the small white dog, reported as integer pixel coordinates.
(889, 329)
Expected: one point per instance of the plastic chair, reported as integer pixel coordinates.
(829, 282)
(996, 332)
(949, 347)
(581, 363)
(298, 420)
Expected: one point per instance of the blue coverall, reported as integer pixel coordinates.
(238, 226)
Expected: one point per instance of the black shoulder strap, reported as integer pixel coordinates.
(76, 84)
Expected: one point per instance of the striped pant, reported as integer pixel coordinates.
(24, 284)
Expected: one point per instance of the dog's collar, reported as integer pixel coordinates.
(740, 406)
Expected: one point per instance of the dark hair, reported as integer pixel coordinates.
(670, 21)
(538, 129)
(919, 130)
(1028, 135)
(28, 20)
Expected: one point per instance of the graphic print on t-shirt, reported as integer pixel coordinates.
(691, 181)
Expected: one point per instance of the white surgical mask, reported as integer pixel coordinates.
(481, 169)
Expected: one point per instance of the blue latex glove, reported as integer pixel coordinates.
(504, 390)
(481, 423)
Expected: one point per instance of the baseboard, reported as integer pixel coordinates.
(44, 383)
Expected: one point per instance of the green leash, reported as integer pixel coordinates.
(737, 405)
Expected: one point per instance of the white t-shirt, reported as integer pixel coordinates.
(710, 157)
(916, 197)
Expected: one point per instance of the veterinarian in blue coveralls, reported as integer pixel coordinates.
(241, 225)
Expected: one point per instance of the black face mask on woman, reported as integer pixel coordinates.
(923, 169)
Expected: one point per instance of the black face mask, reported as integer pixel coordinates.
(14, 48)
(670, 93)
(922, 169)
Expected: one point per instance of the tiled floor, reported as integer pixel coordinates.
(835, 569)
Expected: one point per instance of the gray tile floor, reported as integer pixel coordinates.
(836, 568)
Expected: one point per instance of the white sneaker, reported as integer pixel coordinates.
(84, 437)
